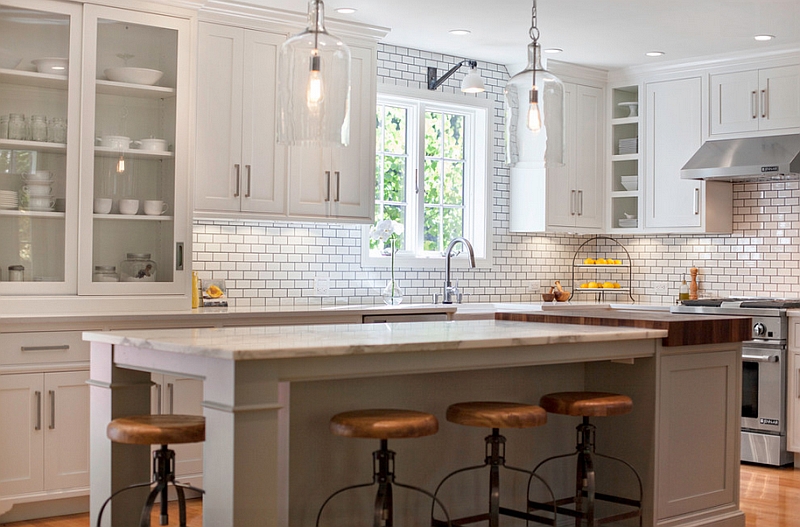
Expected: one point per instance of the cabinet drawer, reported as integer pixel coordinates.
(47, 346)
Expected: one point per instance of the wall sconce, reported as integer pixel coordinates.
(472, 82)
(314, 86)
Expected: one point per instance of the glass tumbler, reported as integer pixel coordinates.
(38, 128)
(17, 128)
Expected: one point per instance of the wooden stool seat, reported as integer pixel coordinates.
(488, 414)
(587, 404)
(384, 424)
(157, 429)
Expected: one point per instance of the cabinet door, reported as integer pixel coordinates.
(263, 160)
(561, 191)
(793, 397)
(698, 398)
(674, 133)
(218, 164)
(589, 165)
(39, 173)
(66, 426)
(134, 108)
(734, 102)
(780, 97)
(353, 183)
(21, 433)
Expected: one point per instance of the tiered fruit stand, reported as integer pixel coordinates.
(601, 273)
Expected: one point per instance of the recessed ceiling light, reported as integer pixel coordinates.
(654, 53)
(763, 38)
(553, 50)
(345, 10)
(460, 32)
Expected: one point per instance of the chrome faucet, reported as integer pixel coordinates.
(452, 293)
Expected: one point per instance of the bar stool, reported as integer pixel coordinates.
(383, 425)
(496, 415)
(162, 430)
(586, 405)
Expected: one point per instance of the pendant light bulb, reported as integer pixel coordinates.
(534, 120)
(121, 164)
(315, 87)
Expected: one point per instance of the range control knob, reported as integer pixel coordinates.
(759, 329)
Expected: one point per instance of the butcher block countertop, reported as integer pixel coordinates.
(682, 329)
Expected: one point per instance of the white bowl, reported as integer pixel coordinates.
(115, 141)
(134, 75)
(52, 65)
(153, 145)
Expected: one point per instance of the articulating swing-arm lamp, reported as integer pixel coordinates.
(472, 82)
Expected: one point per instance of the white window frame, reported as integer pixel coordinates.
(478, 176)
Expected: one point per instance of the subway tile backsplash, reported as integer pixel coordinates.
(272, 263)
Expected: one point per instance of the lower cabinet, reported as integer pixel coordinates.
(793, 402)
(44, 432)
(181, 395)
(698, 399)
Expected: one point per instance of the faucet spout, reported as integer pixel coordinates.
(451, 292)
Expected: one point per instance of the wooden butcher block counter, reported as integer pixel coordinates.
(683, 329)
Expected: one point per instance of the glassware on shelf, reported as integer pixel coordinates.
(105, 273)
(56, 130)
(138, 267)
(16, 273)
(38, 128)
(17, 128)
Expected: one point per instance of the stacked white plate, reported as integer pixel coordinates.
(628, 223)
(9, 200)
(628, 146)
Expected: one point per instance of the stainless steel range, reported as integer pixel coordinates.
(764, 374)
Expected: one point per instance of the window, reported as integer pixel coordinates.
(432, 174)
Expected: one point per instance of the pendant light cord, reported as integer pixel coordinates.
(534, 34)
(316, 26)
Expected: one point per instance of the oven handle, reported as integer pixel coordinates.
(760, 358)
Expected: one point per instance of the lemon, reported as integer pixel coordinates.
(593, 285)
(584, 285)
(616, 285)
(601, 261)
(589, 261)
(617, 262)
(608, 285)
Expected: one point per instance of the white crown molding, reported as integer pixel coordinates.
(283, 20)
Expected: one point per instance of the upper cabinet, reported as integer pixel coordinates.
(753, 100)
(673, 134)
(136, 135)
(39, 146)
(94, 155)
(240, 169)
(625, 153)
(575, 191)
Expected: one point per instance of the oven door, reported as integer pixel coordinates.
(764, 387)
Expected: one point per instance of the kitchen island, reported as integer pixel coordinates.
(269, 392)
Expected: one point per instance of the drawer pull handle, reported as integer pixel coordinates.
(237, 172)
(62, 347)
(38, 410)
(52, 409)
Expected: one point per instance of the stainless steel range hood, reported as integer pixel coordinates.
(748, 159)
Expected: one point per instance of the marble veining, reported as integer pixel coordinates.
(281, 342)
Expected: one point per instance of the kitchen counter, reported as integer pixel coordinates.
(268, 393)
(682, 330)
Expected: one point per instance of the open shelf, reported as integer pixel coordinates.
(131, 153)
(33, 214)
(38, 146)
(125, 89)
(132, 217)
(32, 78)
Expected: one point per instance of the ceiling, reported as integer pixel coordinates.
(606, 34)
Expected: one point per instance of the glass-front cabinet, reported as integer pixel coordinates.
(40, 69)
(94, 128)
(134, 172)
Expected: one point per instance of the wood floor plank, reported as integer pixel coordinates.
(770, 497)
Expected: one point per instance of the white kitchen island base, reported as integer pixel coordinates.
(269, 392)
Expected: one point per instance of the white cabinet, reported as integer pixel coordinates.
(673, 134)
(575, 191)
(698, 398)
(339, 183)
(747, 101)
(239, 166)
(792, 398)
(59, 238)
(44, 430)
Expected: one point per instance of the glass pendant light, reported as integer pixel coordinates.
(534, 111)
(314, 86)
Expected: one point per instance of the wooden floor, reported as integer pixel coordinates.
(770, 497)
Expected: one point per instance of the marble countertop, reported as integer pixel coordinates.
(282, 342)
